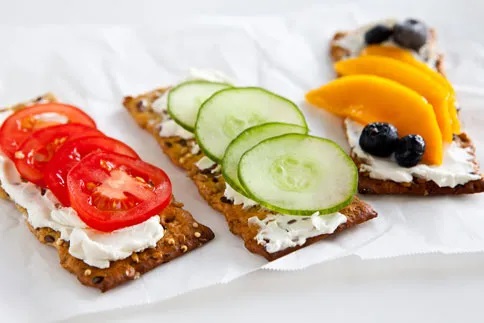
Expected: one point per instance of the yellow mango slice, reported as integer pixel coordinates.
(369, 98)
(407, 57)
(405, 74)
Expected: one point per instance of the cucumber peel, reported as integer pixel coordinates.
(298, 174)
(185, 100)
(228, 112)
(245, 141)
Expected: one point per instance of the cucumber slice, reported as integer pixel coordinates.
(230, 111)
(299, 174)
(245, 141)
(185, 100)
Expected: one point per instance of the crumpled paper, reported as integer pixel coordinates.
(94, 67)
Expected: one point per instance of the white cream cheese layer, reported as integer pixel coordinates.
(278, 232)
(456, 169)
(93, 247)
(205, 163)
(237, 198)
(354, 42)
(232, 195)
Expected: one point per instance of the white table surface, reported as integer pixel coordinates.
(422, 288)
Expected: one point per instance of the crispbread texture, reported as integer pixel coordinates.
(182, 234)
(418, 186)
(211, 185)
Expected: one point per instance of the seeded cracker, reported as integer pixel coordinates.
(212, 185)
(182, 234)
(418, 186)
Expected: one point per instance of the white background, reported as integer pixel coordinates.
(423, 288)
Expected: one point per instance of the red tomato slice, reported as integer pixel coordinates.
(111, 191)
(39, 148)
(22, 123)
(55, 172)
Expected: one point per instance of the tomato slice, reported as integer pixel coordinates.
(111, 191)
(55, 172)
(22, 123)
(39, 148)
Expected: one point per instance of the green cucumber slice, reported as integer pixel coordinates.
(245, 141)
(230, 111)
(185, 100)
(299, 175)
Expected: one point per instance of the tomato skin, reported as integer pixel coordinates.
(16, 128)
(39, 148)
(69, 154)
(154, 190)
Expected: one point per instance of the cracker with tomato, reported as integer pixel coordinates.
(58, 148)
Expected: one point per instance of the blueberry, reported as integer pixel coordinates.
(411, 34)
(378, 34)
(409, 150)
(379, 139)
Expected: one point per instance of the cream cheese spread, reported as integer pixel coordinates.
(456, 169)
(354, 42)
(93, 247)
(278, 232)
(237, 198)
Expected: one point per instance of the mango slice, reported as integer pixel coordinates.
(369, 98)
(405, 74)
(407, 57)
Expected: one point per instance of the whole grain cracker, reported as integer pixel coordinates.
(180, 237)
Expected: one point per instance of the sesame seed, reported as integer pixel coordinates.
(171, 241)
(130, 272)
(198, 234)
(184, 248)
(135, 257)
(137, 275)
(157, 255)
(87, 272)
(59, 242)
(195, 224)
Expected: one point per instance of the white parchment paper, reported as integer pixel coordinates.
(94, 67)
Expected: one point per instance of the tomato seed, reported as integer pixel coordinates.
(106, 165)
(140, 179)
(91, 186)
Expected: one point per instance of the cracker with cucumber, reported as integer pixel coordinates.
(249, 153)
(401, 119)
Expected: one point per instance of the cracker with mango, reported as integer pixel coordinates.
(401, 118)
